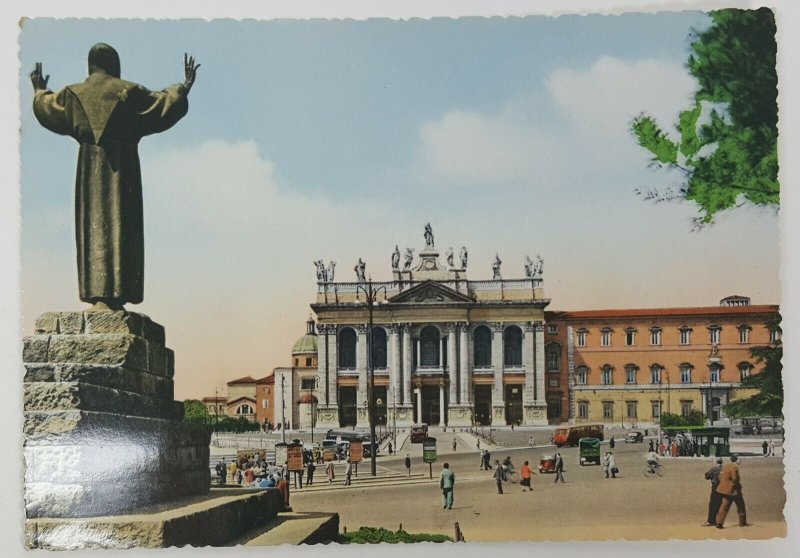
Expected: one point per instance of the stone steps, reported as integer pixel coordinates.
(295, 528)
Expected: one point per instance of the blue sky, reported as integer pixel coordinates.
(339, 139)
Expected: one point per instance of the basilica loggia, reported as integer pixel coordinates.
(445, 350)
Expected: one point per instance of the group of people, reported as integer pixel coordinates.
(252, 472)
(726, 490)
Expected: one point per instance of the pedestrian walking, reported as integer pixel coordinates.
(348, 473)
(612, 465)
(408, 465)
(221, 472)
(499, 475)
(487, 460)
(447, 482)
(764, 448)
(283, 486)
(526, 472)
(771, 450)
(329, 472)
(604, 463)
(714, 498)
(390, 448)
(611, 442)
(730, 490)
(300, 477)
(559, 468)
(310, 477)
(455, 445)
(650, 446)
(478, 443)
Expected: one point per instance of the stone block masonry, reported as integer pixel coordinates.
(102, 433)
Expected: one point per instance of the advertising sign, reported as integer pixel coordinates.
(429, 450)
(294, 457)
(356, 451)
(280, 454)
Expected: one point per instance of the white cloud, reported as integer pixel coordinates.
(606, 97)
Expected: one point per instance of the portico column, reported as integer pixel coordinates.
(498, 397)
(323, 369)
(419, 405)
(394, 363)
(361, 368)
(333, 364)
(465, 374)
(441, 404)
(539, 394)
(408, 357)
(452, 364)
(528, 363)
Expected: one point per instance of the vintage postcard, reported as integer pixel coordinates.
(444, 280)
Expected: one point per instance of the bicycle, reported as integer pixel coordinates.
(655, 470)
(511, 475)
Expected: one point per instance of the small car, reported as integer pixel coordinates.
(634, 437)
(547, 464)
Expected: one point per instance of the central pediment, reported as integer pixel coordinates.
(430, 292)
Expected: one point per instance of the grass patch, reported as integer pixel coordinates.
(373, 535)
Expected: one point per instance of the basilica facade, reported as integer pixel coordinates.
(443, 349)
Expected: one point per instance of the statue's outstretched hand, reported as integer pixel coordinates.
(37, 79)
(189, 70)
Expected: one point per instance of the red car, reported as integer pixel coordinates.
(547, 464)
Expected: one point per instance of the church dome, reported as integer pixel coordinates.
(307, 398)
(308, 342)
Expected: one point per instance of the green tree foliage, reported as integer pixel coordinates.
(695, 418)
(195, 411)
(732, 157)
(768, 401)
(373, 535)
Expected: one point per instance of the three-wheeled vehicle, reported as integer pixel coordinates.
(547, 464)
(589, 449)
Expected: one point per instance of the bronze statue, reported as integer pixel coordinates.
(428, 236)
(108, 116)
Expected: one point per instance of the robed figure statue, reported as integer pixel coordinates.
(108, 116)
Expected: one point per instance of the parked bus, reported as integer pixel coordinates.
(418, 433)
(569, 435)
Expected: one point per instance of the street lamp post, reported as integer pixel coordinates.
(370, 294)
(283, 408)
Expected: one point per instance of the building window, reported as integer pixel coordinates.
(244, 409)
(347, 348)
(774, 335)
(605, 337)
(744, 370)
(655, 335)
(583, 409)
(630, 373)
(744, 333)
(686, 373)
(655, 410)
(685, 335)
(308, 383)
(713, 334)
(554, 357)
(308, 362)
(605, 375)
(655, 373)
(482, 346)
(265, 403)
(686, 408)
(581, 337)
(552, 382)
(512, 346)
(552, 329)
(378, 347)
(713, 373)
(429, 343)
(608, 409)
(630, 337)
(581, 373)
(631, 406)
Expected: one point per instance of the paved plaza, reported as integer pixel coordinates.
(587, 507)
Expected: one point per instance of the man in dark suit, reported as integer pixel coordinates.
(714, 499)
(559, 468)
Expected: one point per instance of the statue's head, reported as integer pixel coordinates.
(103, 58)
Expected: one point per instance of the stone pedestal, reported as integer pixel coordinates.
(535, 414)
(403, 416)
(459, 415)
(498, 414)
(102, 433)
(327, 417)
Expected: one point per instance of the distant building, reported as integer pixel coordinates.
(265, 400)
(628, 366)
(296, 387)
(247, 397)
(217, 406)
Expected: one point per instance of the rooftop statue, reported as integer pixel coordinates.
(408, 258)
(449, 256)
(108, 116)
(360, 269)
(396, 258)
(330, 270)
(463, 257)
(496, 267)
(428, 236)
(320, 271)
(529, 268)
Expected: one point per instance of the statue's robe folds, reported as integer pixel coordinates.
(108, 116)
